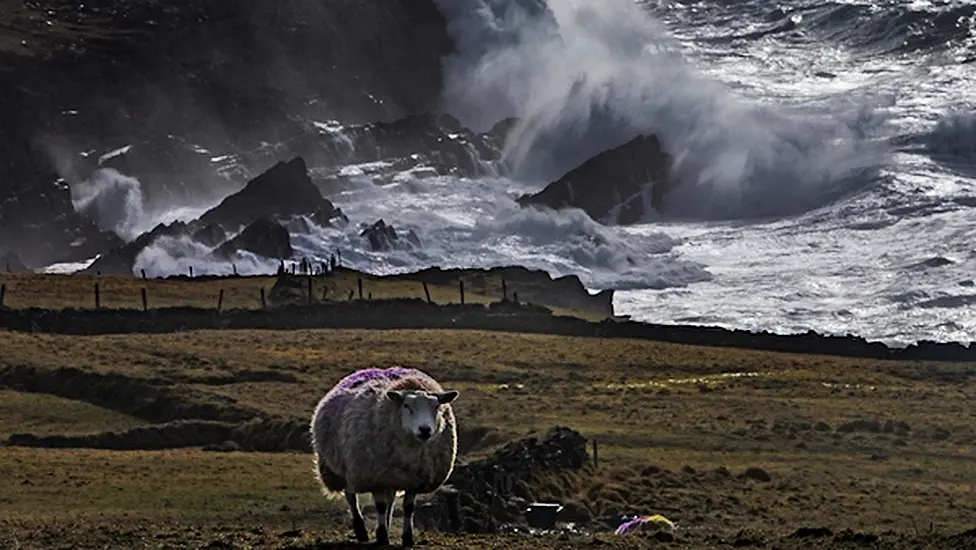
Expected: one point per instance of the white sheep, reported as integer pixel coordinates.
(383, 431)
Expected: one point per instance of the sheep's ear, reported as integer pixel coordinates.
(395, 396)
(446, 397)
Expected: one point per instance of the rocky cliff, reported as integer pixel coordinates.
(162, 90)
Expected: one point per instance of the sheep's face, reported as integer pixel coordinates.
(421, 413)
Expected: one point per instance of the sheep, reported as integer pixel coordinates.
(384, 431)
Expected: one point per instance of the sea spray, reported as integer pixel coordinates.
(589, 75)
(113, 201)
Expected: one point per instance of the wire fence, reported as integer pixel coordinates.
(290, 287)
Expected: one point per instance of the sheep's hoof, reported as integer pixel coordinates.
(359, 527)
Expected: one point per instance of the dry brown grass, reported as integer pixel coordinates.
(58, 291)
(49, 415)
(650, 405)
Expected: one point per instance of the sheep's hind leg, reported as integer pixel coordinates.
(391, 499)
(384, 509)
(409, 501)
(358, 523)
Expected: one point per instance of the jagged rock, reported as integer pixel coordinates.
(283, 191)
(121, 260)
(263, 237)
(385, 237)
(10, 262)
(467, 502)
(210, 235)
(435, 144)
(614, 187)
(439, 139)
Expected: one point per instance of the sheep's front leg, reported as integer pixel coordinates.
(358, 523)
(384, 510)
(409, 501)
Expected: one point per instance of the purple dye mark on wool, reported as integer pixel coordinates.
(364, 376)
(337, 397)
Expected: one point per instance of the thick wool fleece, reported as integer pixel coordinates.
(360, 445)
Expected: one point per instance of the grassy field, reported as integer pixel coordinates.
(58, 291)
(866, 445)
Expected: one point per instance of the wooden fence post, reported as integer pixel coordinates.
(351, 294)
(234, 267)
(143, 274)
(504, 291)
(360, 282)
(427, 293)
(461, 286)
(596, 454)
(145, 300)
(98, 297)
(325, 291)
(3, 294)
(220, 300)
(191, 271)
(264, 302)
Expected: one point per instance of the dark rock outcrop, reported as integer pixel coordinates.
(283, 191)
(121, 260)
(433, 143)
(384, 237)
(614, 187)
(263, 237)
(484, 494)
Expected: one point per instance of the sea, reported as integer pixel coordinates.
(825, 153)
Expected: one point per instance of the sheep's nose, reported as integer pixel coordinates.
(424, 432)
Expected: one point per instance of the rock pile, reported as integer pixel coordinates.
(484, 494)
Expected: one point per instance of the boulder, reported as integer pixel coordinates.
(614, 187)
(263, 237)
(283, 191)
(383, 237)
